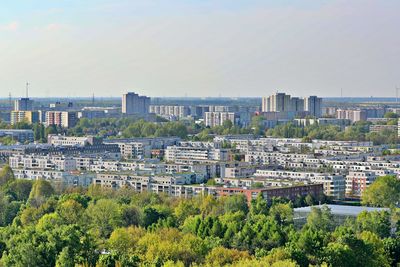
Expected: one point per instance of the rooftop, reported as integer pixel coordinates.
(342, 209)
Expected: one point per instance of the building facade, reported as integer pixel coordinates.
(65, 119)
(133, 103)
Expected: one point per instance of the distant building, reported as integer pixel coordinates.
(329, 111)
(166, 111)
(28, 116)
(133, 103)
(297, 104)
(198, 111)
(313, 105)
(281, 102)
(62, 140)
(174, 153)
(379, 128)
(99, 112)
(277, 102)
(353, 115)
(212, 119)
(322, 121)
(65, 119)
(398, 128)
(23, 104)
(222, 109)
(21, 136)
(61, 106)
(133, 150)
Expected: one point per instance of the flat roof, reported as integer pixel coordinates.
(342, 209)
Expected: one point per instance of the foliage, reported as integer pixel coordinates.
(384, 192)
(359, 131)
(100, 227)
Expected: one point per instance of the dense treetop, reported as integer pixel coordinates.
(40, 226)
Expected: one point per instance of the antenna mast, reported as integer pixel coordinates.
(27, 88)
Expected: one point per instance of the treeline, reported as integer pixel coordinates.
(131, 127)
(359, 131)
(103, 227)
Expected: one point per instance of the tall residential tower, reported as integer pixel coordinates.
(133, 103)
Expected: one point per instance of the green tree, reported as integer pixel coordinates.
(221, 256)
(104, 216)
(320, 219)
(391, 115)
(384, 192)
(377, 222)
(70, 211)
(6, 175)
(19, 189)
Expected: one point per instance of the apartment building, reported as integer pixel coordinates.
(62, 140)
(66, 179)
(134, 150)
(239, 171)
(23, 104)
(353, 115)
(313, 105)
(377, 128)
(17, 116)
(180, 186)
(212, 119)
(334, 185)
(21, 136)
(281, 102)
(133, 103)
(64, 119)
(59, 163)
(357, 182)
(174, 153)
(175, 111)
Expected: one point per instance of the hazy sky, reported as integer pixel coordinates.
(199, 48)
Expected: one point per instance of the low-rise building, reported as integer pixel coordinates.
(21, 136)
(377, 128)
(62, 140)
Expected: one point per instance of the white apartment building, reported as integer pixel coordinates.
(286, 174)
(176, 111)
(353, 115)
(62, 140)
(173, 153)
(58, 163)
(212, 119)
(66, 178)
(134, 150)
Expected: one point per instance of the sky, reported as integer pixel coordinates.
(201, 48)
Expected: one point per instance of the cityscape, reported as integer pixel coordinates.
(281, 177)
